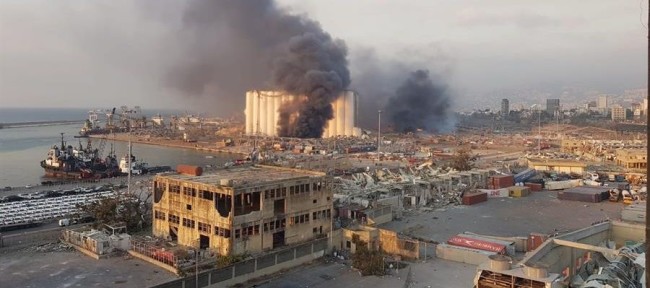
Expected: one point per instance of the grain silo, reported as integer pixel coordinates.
(263, 112)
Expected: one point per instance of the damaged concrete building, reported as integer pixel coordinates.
(608, 253)
(239, 210)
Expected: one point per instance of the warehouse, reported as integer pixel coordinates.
(246, 209)
(559, 165)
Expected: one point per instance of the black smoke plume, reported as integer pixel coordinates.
(232, 46)
(314, 65)
(419, 103)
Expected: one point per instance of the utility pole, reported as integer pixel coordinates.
(379, 134)
(196, 263)
(647, 203)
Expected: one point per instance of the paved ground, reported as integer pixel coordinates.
(541, 212)
(433, 273)
(33, 269)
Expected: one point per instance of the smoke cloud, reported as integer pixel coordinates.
(391, 84)
(419, 103)
(314, 65)
(234, 46)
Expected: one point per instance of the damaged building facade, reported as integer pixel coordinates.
(242, 210)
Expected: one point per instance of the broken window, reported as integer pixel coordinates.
(247, 202)
(205, 194)
(159, 190)
(222, 203)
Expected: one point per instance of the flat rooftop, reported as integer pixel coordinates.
(555, 162)
(244, 176)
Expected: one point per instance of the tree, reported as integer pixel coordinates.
(369, 262)
(133, 210)
(463, 160)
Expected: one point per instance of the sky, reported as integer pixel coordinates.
(73, 53)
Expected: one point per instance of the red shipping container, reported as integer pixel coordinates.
(473, 198)
(189, 170)
(503, 181)
(535, 187)
(476, 244)
(534, 241)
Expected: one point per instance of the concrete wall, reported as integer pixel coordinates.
(622, 232)
(30, 238)
(462, 254)
(392, 244)
(253, 268)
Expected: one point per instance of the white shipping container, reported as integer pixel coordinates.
(559, 185)
(496, 193)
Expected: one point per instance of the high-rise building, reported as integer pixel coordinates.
(552, 106)
(505, 107)
(242, 209)
(602, 101)
(618, 113)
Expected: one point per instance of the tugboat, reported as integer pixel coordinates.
(137, 168)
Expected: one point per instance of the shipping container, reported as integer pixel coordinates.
(535, 240)
(189, 170)
(519, 191)
(474, 198)
(496, 193)
(584, 194)
(510, 245)
(559, 185)
(524, 175)
(502, 181)
(534, 187)
(477, 244)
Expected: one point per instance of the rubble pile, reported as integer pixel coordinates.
(52, 247)
(426, 185)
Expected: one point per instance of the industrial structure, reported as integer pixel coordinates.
(263, 113)
(242, 210)
(608, 254)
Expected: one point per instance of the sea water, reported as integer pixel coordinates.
(23, 148)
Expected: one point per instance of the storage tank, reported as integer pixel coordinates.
(499, 262)
(255, 103)
(263, 113)
(340, 115)
(348, 99)
(249, 112)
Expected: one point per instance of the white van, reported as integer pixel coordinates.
(64, 222)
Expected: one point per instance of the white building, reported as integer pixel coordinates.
(263, 112)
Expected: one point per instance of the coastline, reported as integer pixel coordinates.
(155, 141)
(38, 124)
